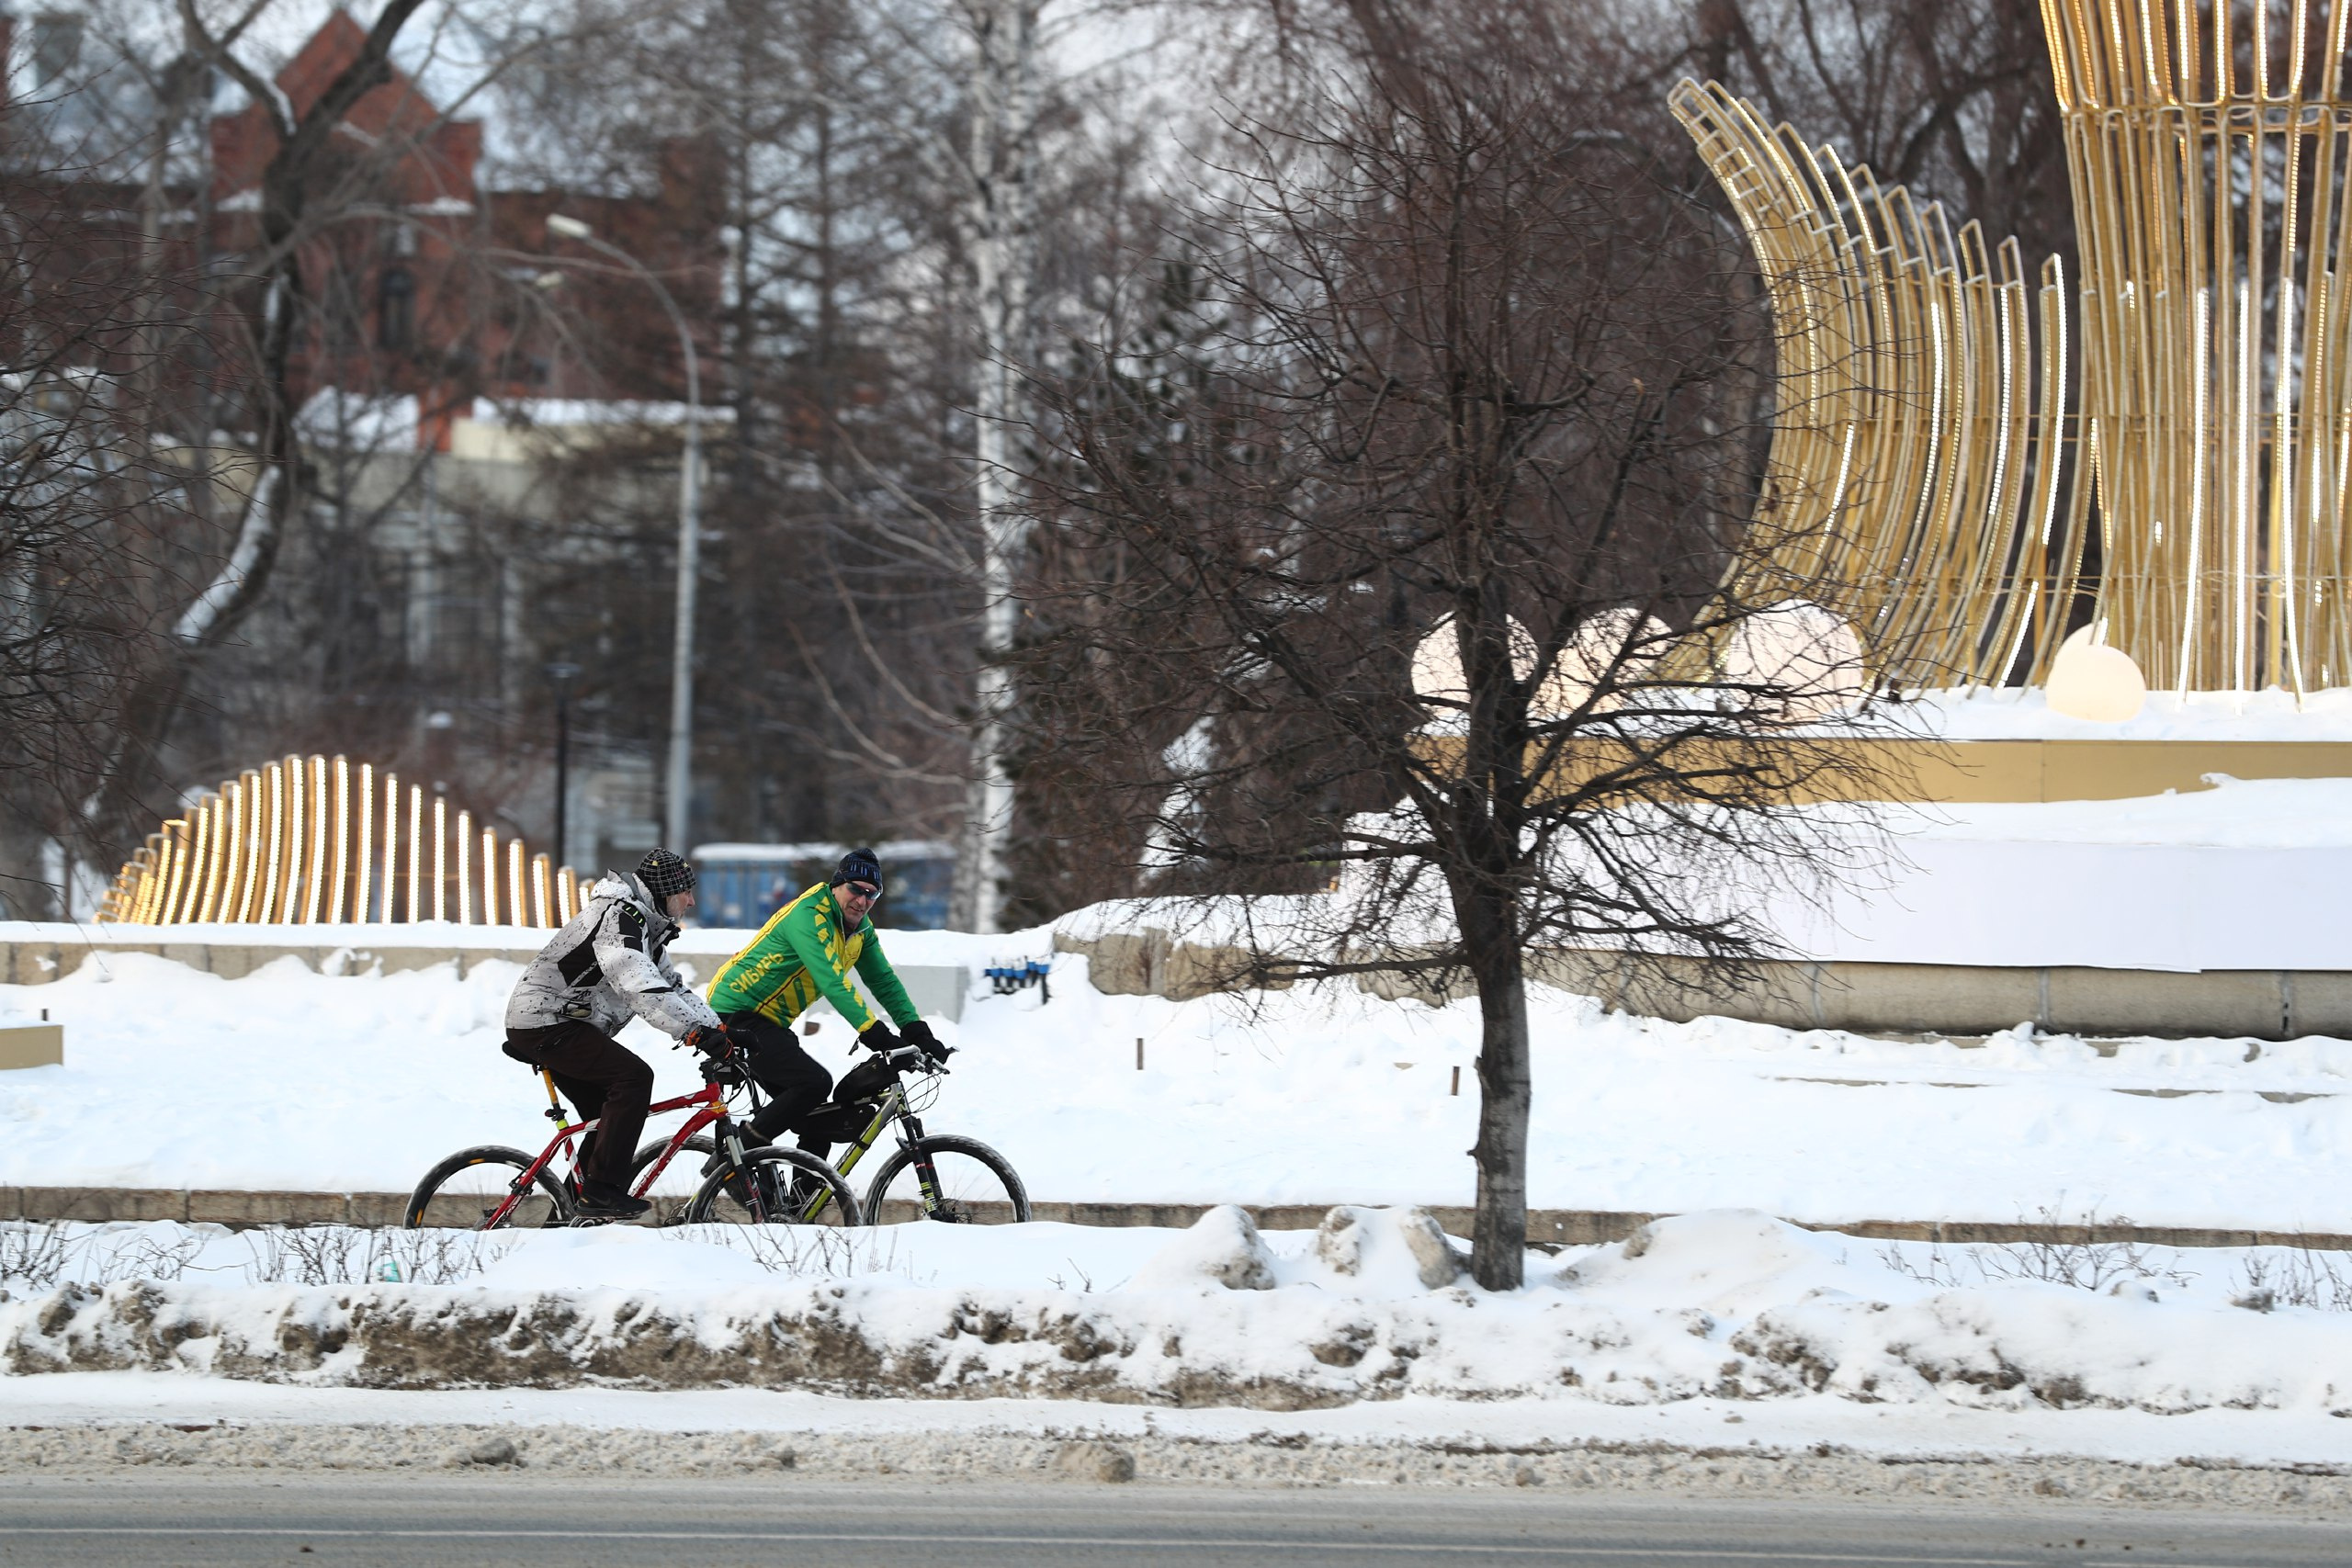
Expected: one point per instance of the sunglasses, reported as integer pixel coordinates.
(863, 890)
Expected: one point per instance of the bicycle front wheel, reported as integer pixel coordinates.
(958, 1181)
(779, 1187)
(466, 1189)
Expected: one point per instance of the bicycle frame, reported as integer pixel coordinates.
(892, 1109)
(710, 1101)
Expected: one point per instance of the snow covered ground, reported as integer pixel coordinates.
(288, 1079)
(1723, 1329)
(2022, 714)
(1727, 1328)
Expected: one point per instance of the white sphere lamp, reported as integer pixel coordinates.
(1437, 662)
(1804, 652)
(1619, 645)
(2088, 680)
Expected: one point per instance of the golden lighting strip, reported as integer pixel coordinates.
(2208, 148)
(1912, 477)
(514, 883)
(489, 875)
(415, 849)
(295, 843)
(440, 867)
(360, 840)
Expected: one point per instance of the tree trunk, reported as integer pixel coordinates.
(1499, 1234)
(998, 217)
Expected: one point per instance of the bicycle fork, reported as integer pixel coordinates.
(731, 1139)
(926, 1174)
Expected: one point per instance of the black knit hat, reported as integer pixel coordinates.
(664, 873)
(858, 865)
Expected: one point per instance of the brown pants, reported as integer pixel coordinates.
(605, 1079)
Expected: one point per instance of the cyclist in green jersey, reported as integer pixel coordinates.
(806, 951)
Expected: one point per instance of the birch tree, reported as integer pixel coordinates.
(998, 217)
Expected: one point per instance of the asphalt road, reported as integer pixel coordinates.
(159, 1517)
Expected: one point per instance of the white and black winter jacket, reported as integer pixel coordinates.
(605, 966)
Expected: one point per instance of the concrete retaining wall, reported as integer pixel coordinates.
(54, 953)
(1564, 1227)
(1868, 998)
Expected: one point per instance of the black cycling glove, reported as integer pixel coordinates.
(876, 1037)
(919, 1035)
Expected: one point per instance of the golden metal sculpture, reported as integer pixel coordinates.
(294, 842)
(2208, 147)
(1913, 471)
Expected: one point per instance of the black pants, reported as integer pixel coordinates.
(605, 1079)
(796, 1083)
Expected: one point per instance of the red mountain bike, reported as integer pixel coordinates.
(490, 1186)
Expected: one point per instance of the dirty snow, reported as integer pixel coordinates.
(1726, 1326)
(1730, 1305)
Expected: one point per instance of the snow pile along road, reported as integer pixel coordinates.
(1729, 1305)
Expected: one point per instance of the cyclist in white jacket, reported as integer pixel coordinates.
(603, 969)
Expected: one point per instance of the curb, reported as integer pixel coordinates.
(955, 1454)
(1554, 1227)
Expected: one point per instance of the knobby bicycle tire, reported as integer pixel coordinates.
(994, 1198)
(780, 1167)
(479, 1179)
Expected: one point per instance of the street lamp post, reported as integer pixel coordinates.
(560, 675)
(682, 654)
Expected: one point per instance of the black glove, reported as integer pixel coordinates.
(919, 1035)
(711, 1040)
(876, 1037)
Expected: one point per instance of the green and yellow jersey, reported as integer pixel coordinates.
(801, 954)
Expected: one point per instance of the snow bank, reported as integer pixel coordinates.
(2243, 876)
(1729, 1305)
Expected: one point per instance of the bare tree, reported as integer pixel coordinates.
(225, 364)
(93, 556)
(285, 196)
(1950, 98)
(910, 188)
(1409, 591)
(106, 324)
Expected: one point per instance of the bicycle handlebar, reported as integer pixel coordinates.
(897, 1061)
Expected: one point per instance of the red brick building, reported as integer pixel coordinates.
(425, 285)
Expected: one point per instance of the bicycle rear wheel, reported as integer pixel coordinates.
(955, 1180)
(672, 1191)
(465, 1189)
(786, 1182)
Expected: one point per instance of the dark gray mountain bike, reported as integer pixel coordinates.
(928, 1176)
